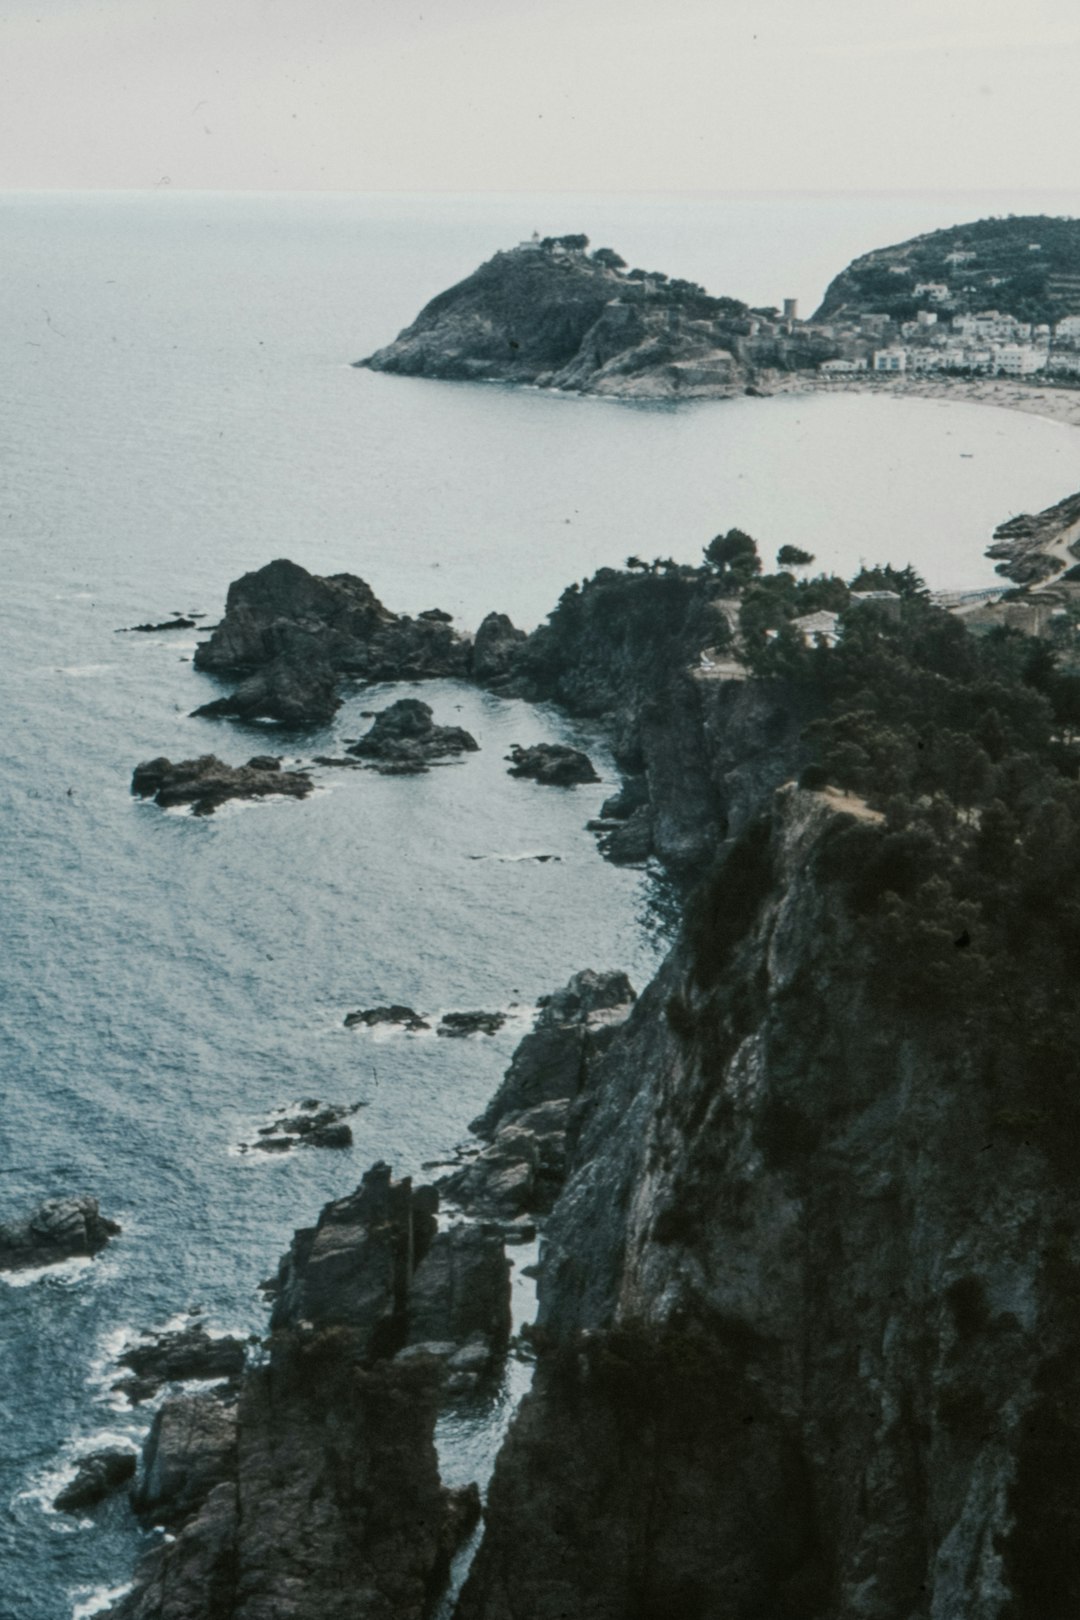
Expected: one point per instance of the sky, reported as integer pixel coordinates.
(540, 95)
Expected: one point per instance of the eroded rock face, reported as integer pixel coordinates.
(405, 736)
(59, 1229)
(332, 1507)
(553, 764)
(207, 783)
(185, 1353)
(801, 1310)
(317, 1494)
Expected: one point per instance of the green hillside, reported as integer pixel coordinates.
(1023, 265)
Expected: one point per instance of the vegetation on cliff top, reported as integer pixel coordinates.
(1022, 265)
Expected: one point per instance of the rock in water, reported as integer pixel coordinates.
(99, 1476)
(206, 783)
(372, 1017)
(553, 764)
(59, 1229)
(470, 1023)
(405, 736)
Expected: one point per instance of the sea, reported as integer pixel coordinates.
(180, 407)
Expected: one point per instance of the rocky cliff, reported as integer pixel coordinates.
(808, 1303)
(551, 314)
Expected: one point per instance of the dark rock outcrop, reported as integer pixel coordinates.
(460, 1024)
(100, 1475)
(313, 1124)
(701, 752)
(318, 1494)
(404, 737)
(59, 1229)
(553, 764)
(177, 622)
(298, 688)
(372, 1017)
(332, 1507)
(522, 1168)
(292, 636)
(207, 783)
(175, 1357)
(1036, 547)
(495, 650)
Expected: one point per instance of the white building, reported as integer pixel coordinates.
(1019, 359)
(890, 359)
(959, 256)
(936, 291)
(1068, 327)
(841, 368)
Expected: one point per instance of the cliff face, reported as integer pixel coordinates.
(808, 1307)
(551, 314)
(700, 750)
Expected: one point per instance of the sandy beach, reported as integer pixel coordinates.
(1007, 393)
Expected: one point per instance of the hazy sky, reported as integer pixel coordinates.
(510, 95)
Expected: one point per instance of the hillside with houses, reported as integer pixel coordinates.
(998, 297)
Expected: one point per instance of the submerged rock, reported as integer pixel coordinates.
(553, 764)
(207, 782)
(405, 736)
(99, 1475)
(59, 1229)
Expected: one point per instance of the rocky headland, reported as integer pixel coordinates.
(808, 1333)
(553, 315)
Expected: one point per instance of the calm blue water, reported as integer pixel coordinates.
(179, 408)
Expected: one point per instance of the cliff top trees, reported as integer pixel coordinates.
(735, 558)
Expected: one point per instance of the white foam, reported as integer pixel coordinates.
(88, 1600)
(64, 1272)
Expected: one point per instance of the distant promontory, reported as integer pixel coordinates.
(554, 314)
(977, 306)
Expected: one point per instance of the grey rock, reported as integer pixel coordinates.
(495, 649)
(207, 783)
(191, 1449)
(405, 1017)
(460, 1024)
(552, 764)
(99, 1475)
(405, 735)
(59, 1229)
